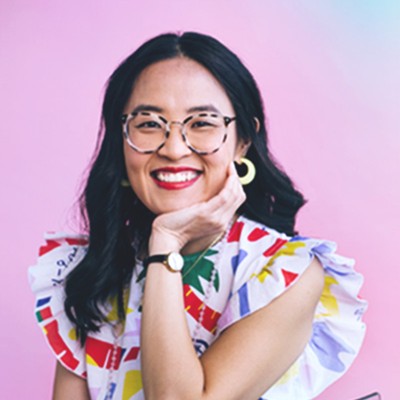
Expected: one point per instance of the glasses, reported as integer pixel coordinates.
(203, 133)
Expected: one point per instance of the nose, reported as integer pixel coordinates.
(175, 146)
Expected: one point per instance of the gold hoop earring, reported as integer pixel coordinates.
(125, 183)
(251, 171)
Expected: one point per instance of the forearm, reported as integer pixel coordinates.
(170, 367)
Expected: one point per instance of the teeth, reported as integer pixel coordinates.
(176, 177)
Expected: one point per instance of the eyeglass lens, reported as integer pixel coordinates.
(204, 132)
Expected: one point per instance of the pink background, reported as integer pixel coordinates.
(329, 73)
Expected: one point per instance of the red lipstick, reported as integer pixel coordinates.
(175, 178)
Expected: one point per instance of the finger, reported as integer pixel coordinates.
(233, 183)
(232, 169)
(232, 192)
(228, 200)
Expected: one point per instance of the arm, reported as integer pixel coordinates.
(267, 342)
(164, 326)
(68, 386)
(233, 367)
(247, 358)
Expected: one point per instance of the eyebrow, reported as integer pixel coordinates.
(208, 107)
(147, 107)
(152, 108)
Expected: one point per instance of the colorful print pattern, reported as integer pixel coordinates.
(257, 265)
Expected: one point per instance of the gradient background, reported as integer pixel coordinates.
(329, 72)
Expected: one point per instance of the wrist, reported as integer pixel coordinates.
(163, 244)
(172, 261)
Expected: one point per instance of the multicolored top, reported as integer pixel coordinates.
(255, 265)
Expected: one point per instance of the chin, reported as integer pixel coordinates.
(168, 207)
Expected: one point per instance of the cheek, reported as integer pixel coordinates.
(133, 162)
(132, 168)
(218, 174)
(135, 172)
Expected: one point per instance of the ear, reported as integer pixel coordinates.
(241, 150)
(257, 124)
(243, 146)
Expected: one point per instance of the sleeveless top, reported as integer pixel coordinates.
(256, 264)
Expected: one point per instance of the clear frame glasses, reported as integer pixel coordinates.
(203, 133)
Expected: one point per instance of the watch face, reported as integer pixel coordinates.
(175, 261)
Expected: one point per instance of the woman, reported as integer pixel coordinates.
(190, 285)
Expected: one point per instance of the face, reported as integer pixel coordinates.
(174, 177)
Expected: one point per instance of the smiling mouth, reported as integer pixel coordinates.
(175, 178)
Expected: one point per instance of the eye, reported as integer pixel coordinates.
(199, 124)
(148, 125)
(202, 123)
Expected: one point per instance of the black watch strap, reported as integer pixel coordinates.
(173, 261)
(161, 258)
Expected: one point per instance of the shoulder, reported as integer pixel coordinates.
(248, 229)
(261, 252)
(60, 253)
(297, 277)
(266, 263)
(57, 243)
(258, 242)
(253, 239)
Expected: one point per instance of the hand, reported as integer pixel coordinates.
(173, 231)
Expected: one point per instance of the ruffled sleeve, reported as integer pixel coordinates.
(338, 330)
(60, 254)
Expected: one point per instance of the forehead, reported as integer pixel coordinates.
(177, 85)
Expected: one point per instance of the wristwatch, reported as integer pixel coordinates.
(173, 261)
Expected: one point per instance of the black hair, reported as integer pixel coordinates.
(118, 224)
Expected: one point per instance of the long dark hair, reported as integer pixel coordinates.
(116, 221)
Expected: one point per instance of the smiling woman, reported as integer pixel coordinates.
(188, 285)
(194, 154)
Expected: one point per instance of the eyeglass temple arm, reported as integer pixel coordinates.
(228, 120)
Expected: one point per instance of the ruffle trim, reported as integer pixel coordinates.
(338, 330)
(57, 257)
